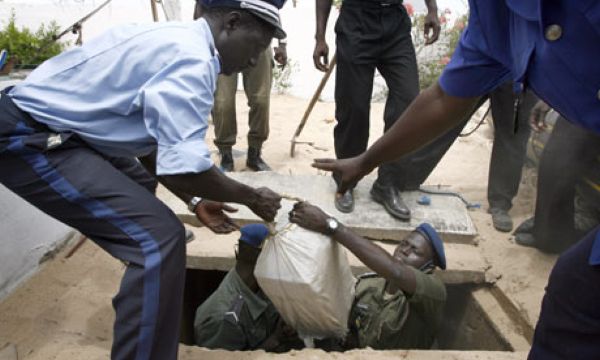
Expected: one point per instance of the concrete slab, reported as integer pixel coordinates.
(217, 252)
(507, 324)
(191, 352)
(446, 213)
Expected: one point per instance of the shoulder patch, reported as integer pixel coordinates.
(233, 314)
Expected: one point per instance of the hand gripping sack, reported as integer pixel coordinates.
(308, 278)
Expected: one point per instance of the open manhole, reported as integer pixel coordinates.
(470, 321)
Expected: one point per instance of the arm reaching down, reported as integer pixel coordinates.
(214, 185)
(431, 114)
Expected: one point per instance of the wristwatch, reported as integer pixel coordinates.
(332, 226)
(194, 203)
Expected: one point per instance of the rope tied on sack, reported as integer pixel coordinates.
(272, 226)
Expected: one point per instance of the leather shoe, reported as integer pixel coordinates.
(526, 227)
(525, 239)
(255, 161)
(501, 220)
(226, 160)
(390, 198)
(344, 202)
(189, 235)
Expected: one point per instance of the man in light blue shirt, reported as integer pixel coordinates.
(70, 133)
(553, 48)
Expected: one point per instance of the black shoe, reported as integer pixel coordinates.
(189, 235)
(390, 198)
(501, 220)
(344, 202)
(226, 160)
(526, 227)
(255, 162)
(525, 239)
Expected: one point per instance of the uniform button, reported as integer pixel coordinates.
(553, 32)
(598, 94)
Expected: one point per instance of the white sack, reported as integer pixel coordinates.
(308, 278)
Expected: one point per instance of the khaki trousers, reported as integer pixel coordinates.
(257, 86)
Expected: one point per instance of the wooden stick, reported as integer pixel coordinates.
(80, 242)
(312, 103)
(154, 10)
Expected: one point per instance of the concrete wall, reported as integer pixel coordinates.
(26, 236)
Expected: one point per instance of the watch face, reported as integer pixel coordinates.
(332, 225)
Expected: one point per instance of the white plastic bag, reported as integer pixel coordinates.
(308, 278)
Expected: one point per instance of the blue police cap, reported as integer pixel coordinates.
(436, 243)
(254, 234)
(266, 10)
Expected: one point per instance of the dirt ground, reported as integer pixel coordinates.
(64, 312)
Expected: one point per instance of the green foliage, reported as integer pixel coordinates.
(28, 47)
(432, 59)
(281, 76)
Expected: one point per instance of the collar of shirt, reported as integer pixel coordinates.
(256, 302)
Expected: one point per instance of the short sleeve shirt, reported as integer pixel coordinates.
(132, 90)
(549, 46)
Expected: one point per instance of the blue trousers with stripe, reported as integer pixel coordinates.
(112, 202)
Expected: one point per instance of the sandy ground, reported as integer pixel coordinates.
(64, 312)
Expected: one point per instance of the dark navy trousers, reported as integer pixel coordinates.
(111, 201)
(569, 324)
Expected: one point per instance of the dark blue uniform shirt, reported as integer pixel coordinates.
(553, 47)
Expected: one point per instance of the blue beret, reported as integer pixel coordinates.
(436, 243)
(254, 234)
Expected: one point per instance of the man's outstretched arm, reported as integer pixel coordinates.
(431, 114)
(373, 256)
(214, 185)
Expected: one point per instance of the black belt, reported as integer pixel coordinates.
(372, 3)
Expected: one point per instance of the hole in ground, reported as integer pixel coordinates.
(466, 326)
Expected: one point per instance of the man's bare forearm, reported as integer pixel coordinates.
(430, 115)
(323, 10)
(211, 184)
(377, 259)
(431, 6)
(149, 163)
